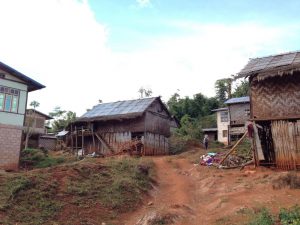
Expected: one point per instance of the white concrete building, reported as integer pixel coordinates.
(222, 124)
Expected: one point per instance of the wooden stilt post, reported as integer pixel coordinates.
(72, 147)
(94, 144)
(76, 141)
(82, 141)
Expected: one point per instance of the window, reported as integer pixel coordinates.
(225, 133)
(1, 101)
(247, 112)
(224, 116)
(9, 99)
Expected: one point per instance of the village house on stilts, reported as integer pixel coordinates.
(141, 126)
(275, 108)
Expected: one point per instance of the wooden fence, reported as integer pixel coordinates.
(286, 139)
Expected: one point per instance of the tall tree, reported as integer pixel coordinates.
(144, 93)
(223, 89)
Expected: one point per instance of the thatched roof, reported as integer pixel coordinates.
(270, 66)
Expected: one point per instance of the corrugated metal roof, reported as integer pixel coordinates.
(270, 62)
(119, 108)
(62, 133)
(238, 100)
(209, 129)
(219, 109)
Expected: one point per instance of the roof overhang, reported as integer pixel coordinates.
(219, 109)
(32, 84)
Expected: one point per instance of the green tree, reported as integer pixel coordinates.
(223, 89)
(242, 89)
(61, 119)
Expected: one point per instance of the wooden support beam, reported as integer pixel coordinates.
(233, 148)
(104, 142)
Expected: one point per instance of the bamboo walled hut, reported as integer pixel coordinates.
(275, 108)
(111, 128)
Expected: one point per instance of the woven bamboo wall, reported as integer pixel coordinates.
(277, 97)
(286, 138)
(47, 143)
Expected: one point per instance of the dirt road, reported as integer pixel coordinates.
(172, 198)
(186, 194)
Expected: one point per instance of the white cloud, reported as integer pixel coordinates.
(61, 45)
(58, 43)
(143, 3)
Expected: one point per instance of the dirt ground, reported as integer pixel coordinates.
(189, 194)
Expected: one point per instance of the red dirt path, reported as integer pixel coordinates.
(193, 195)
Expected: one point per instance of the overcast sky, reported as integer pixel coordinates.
(88, 50)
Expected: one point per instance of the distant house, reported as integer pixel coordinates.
(239, 114)
(35, 121)
(212, 133)
(222, 124)
(14, 88)
(108, 127)
(275, 108)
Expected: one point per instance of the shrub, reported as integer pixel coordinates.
(264, 217)
(290, 216)
(37, 158)
(177, 144)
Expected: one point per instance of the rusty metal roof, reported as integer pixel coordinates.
(245, 99)
(270, 62)
(129, 108)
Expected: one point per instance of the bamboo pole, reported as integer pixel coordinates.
(233, 148)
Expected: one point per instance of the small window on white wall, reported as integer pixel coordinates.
(224, 116)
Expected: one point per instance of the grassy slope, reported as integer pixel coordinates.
(75, 193)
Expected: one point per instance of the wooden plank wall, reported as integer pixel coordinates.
(120, 126)
(286, 138)
(155, 144)
(115, 140)
(158, 124)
